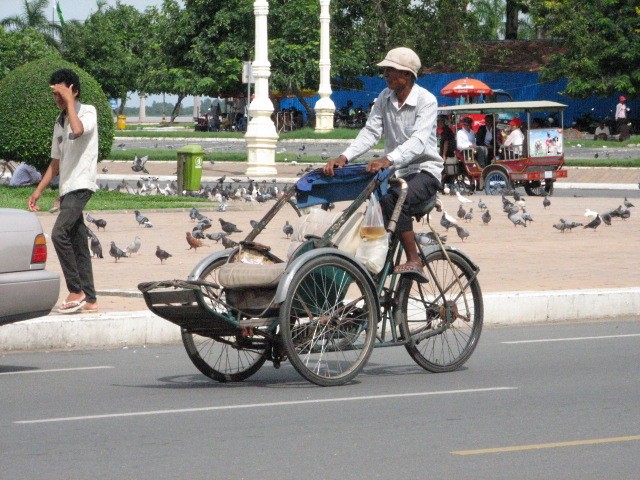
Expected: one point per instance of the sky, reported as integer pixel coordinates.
(80, 10)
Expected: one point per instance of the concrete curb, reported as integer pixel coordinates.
(122, 329)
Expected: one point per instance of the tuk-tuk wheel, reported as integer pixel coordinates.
(496, 182)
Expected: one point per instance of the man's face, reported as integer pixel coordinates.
(396, 79)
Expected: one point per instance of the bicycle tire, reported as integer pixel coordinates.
(328, 321)
(422, 310)
(222, 358)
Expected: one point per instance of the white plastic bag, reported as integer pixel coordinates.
(372, 252)
(373, 222)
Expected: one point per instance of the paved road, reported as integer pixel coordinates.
(546, 401)
(328, 147)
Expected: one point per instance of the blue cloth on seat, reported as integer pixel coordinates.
(315, 188)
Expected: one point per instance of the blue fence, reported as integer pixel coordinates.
(521, 86)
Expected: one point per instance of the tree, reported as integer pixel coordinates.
(34, 17)
(600, 45)
(110, 45)
(28, 111)
(20, 47)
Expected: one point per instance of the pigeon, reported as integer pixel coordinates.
(570, 225)
(462, 199)
(606, 218)
(429, 238)
(134, 246)
(512, 209)
(228, 227)
(141, 219)
(616, 212)
(228, 243)
(193, 214)
(96, 247)
(594, 223)
(115, 252)
(222, 207)
(138, 164)
(627, 203)
(162, 254)
(462, 232)
(105, 169)
(625, 214)
(559, 226)
(461, 212)
(486, 217)
(287, 229)
(469, 215)
(446, 221)
(526, 216)
(590, 213)
(197, 233)
(204, 224)
(216, 237)
(482, 206)
(516, 196)
(99, 223)
(517, 220)
(194, 242)
(546, 202)
(253, 223)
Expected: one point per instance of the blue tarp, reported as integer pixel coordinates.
(315, 188)
(521, 86)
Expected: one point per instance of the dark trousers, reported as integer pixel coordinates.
(422, 187)
(69, 238)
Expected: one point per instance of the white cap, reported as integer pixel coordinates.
(402, 58)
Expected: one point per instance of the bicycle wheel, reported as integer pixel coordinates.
(223, 358)
(442, 319)
(328, 320)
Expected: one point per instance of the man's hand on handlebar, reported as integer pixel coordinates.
(376, 165)
(335, 163)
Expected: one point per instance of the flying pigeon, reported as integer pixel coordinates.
(138, 164)
(162, 254)
(115, 252)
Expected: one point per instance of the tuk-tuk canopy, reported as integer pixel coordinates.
(501, 107)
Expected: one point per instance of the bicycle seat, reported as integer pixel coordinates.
(425, 208)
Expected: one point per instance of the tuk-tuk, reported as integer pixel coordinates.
(534, 165)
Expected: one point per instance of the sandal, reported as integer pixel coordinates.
(413, 270)
(71, 307)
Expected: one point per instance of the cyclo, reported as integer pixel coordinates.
(535, 166)
(322, 309)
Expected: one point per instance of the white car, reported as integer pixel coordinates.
(27, 289)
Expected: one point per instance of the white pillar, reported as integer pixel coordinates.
(196, 106)
(325, 107)
(142, 113)
(261, 136)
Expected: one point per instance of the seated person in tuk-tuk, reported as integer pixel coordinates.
(486, 137)
(466, 139)
(515, 140)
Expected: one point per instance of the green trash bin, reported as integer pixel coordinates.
(190, 158)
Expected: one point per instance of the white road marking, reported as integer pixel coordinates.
(572, 339)
(264, 405)
(50, 370)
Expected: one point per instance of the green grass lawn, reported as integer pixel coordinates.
(16, 197)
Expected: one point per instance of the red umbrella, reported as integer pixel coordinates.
(466, 87)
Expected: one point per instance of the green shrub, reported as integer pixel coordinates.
(28, 111)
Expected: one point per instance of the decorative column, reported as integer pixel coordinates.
(142, 113)
(261, 134)
(196, 106)
(325, 107)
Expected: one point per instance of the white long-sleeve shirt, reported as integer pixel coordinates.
(410, 138)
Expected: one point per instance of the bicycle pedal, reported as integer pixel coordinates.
(416, 276)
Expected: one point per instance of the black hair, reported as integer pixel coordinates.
(66, 76)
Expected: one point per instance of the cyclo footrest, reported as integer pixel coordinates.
(183, 303)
